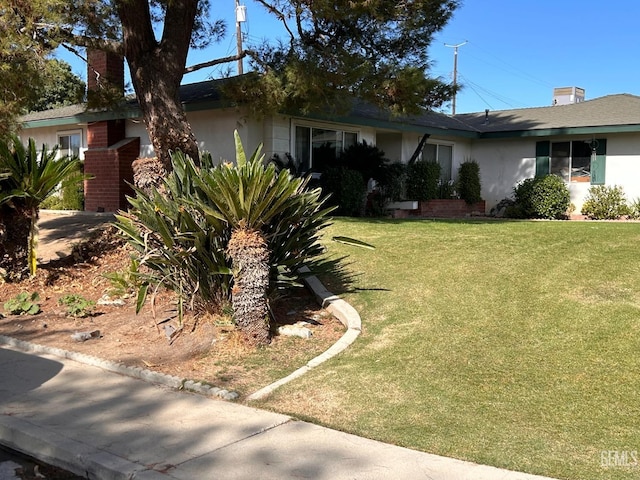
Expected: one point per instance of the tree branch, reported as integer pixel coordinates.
(217, 61)
(278, 14)
(88, 42)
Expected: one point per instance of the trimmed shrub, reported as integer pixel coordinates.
(422, 180)
(468, 184)
(393, 182)
(605, 203)
(347, 190)
(541, 197)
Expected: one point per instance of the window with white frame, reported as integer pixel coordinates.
(441, 154)
(70, 143)
(316, 148)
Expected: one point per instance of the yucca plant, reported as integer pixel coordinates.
(26, 180)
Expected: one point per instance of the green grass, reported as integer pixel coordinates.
(513, 344)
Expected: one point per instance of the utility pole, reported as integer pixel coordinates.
(241, 16)
(455, 71)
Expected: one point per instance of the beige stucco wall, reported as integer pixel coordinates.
(504, 163)
(48, 136)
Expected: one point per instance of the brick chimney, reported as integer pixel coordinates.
(103, 66)
(110, 154)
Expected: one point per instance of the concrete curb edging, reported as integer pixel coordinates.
(69, 454)
(135, 372)
(345, 313)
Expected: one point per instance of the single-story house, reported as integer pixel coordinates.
(593, 142)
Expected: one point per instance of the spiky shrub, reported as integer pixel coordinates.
(277, 221)
(178, 248)
(605, 203)
(26, 180)
(218, 231)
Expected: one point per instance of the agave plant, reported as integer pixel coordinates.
(26, 180)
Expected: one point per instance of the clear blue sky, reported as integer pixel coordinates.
(517, 50)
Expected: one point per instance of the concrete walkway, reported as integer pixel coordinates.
(108, 426)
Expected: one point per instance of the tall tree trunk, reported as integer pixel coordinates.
(156, 69)
(250, 262)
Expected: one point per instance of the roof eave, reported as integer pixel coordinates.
(551, 132)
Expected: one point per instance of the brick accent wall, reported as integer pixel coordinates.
(448, 209)
(111, 168)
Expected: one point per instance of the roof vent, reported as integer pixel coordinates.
(567, 95)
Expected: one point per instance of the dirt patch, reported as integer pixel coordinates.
(204, 347)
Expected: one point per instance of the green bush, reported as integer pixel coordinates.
(605, 203)
(422, 180)
(367, 159)
(468, 184)
(71, 193)
(347, 190)
(393, 182)
(23, 304)
(541, 197)
(634, 209)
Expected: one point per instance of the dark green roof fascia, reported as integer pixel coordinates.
(211, 105)
(551, 132)
(387, 124)
(83, 118)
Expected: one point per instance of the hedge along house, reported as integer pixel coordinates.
(586, 142)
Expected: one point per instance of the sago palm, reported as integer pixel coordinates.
(26, 180)
(274, 222)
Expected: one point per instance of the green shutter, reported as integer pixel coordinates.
(542, 158)
(598, 162)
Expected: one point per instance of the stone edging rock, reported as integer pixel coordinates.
(345, 313)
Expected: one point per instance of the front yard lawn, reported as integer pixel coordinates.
(513, 344)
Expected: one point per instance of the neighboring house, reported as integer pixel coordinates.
(588, 143)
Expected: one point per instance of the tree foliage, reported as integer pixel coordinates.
(60, 87)
(335, 51)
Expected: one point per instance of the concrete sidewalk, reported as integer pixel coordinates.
(108, 426)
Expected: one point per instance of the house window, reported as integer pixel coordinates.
(318, 148)
(442, 154)
(69, 144)
(573, 161)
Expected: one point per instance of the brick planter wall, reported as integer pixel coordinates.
(453, 208)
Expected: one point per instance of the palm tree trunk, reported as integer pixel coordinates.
(15, 226)
(250, 261)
